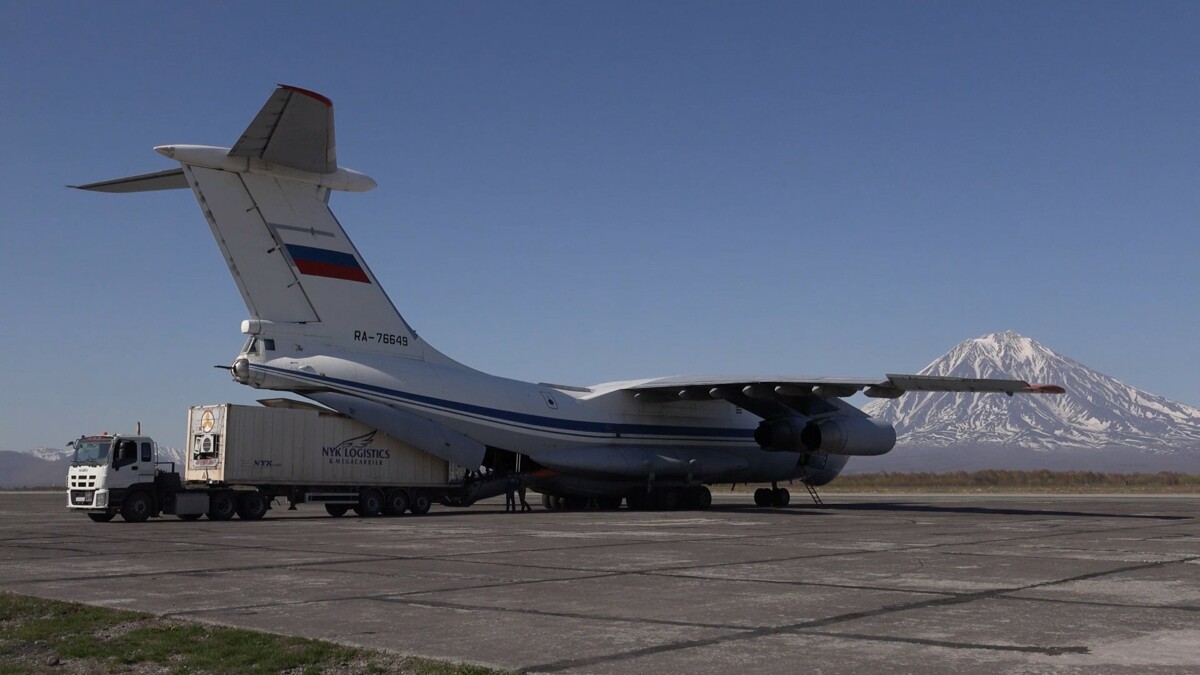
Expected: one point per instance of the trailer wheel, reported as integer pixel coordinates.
(101, 517)
(221, 506)
(137, 507)
(252, 505)
(420, 503)
(336, 510)
(189, 516)
(370, 503)
(397, 502)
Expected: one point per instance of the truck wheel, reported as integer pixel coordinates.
(101, 517)
(370, 503)
(137, 507)
(221, 506)
(189, 516)
(420, 503)
(336, 510)
(397, 502)
(252, 505)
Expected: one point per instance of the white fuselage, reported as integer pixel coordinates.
(522, 417)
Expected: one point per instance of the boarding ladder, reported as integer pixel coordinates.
(812, 492)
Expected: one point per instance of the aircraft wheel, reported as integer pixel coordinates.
(370, 503)
(699, 497)
(762, 497)
(189, 516)
(221, 506)
(547, 502)
(669, 499)
(101, 517)
(397, 502)
(419, 503)
(336, 510)
(781, 497)
(252, 505)
(638, 501)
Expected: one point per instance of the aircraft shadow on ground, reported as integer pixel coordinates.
(802, 510)
(987, 510)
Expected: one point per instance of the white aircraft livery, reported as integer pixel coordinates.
(322, 327)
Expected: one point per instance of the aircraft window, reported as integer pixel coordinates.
(249, 346)
(269, 345)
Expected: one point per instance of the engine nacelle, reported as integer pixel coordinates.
(839, 436)
(849, 436)
(781, 435)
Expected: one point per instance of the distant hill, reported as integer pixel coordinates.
(47, 467)
(1100, 424)
(25, 470)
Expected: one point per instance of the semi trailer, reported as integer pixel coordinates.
(240, 459)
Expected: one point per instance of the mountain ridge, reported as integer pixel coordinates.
(1097, 413)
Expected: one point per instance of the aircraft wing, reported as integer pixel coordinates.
(782, 387)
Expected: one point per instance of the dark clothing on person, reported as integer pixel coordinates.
(510, 488)
(521, 493)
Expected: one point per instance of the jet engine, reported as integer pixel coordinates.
(839, 436)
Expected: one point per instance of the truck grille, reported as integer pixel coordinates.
(82, 497)
(83, 482)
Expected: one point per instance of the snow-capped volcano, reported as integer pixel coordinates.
(1097, 411)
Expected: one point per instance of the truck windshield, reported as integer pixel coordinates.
(92, 451)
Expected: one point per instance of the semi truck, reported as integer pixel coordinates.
(240, 459)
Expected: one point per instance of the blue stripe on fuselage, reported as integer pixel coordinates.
(525, 419)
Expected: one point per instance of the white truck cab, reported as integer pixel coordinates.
(103, 470)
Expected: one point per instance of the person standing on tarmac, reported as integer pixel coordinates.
(521, 493)
(510, 489)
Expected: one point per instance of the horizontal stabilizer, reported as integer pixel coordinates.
(293, 129)
(172, 179)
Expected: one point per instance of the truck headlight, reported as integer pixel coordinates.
(101, 498)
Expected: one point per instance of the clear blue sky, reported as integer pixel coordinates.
(582, 192)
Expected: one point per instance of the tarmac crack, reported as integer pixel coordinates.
(1049, 651)
(803, 627)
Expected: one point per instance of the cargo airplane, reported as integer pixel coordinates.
(321, 327)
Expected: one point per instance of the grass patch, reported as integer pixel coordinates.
(43, 636)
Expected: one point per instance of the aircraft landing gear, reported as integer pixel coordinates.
(772, 496)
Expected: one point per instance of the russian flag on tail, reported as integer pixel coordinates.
(320, 262)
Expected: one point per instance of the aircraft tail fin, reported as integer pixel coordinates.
(266, 201)
(293, 129)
